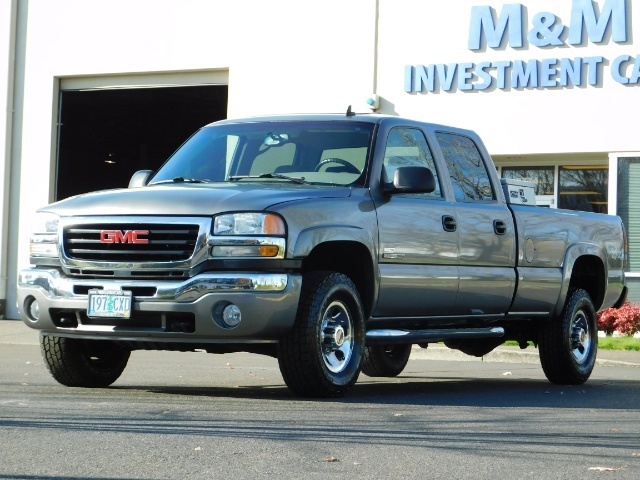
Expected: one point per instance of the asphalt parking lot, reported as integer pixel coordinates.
(194, 415)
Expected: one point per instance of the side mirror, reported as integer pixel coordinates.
(140, 178)
(411, 180)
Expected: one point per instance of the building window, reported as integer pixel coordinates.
(629, 206)
(541, 177)
(574, 187)
(583, 188)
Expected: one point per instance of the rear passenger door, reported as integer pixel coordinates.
(417, 258)
(486, 232)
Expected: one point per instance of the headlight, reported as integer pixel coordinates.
(44, 235)
(248, 224)
(44, 222)
(248, 234)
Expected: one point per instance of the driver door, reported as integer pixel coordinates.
(417, 257)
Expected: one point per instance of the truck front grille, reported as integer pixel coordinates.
(114, 243)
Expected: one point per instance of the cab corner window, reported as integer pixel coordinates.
(407, 147)
(469, 175)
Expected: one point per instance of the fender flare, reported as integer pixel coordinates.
(310, 238)
(573, 253)
(313, 237)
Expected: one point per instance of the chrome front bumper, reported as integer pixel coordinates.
(173, 311)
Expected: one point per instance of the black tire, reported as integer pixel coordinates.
(321, 355)
(83, 363)
(385, 360)
(568, 345)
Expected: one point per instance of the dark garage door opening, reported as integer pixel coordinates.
(107, 135)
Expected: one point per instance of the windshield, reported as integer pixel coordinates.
(330, 152)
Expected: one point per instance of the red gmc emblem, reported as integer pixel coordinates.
(122, 236)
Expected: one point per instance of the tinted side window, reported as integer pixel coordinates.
(407, 147)
(469, 175)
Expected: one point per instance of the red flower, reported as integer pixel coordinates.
(625, 320)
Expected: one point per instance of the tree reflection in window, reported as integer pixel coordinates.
(407, 147)
(583, 188)
(541, 177)
(468, 172)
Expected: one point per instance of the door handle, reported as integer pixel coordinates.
(499, 227)
(449, 223)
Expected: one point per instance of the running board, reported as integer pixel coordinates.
(389, 336)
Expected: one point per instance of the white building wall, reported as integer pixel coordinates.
(287, 56)
(302, 57)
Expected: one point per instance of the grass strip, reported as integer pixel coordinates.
(605, 343)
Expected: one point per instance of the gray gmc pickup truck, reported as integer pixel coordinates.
(332, 242)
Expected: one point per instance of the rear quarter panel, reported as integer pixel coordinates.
(549, 243)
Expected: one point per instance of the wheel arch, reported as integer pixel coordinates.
(584, 268)
(351, 258)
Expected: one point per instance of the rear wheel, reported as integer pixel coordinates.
(83, 363)
(568, 345)
(321, 355)
(385, 360)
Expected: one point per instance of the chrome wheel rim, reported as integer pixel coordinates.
(336, 337)
(581, 341)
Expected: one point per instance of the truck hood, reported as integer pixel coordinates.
(190, 199)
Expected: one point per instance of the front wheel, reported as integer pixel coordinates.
(385, 360)
(321, 355)
(83, 363)
(568, 345)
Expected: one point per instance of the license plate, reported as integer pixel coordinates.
(109, 303)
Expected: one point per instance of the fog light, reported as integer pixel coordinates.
(231, 316)
(33, 310)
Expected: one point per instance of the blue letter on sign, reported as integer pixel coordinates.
(482, 21)
(425, 78)
(527, 77)
(616, 70)
(570, 72)
(583, 10)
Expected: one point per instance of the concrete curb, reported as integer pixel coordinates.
(500, 354)
(516, 355)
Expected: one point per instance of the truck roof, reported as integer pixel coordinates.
(373, 118)
(315, 117)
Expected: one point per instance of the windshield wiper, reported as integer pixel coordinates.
(179, 180)
(269, 175)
